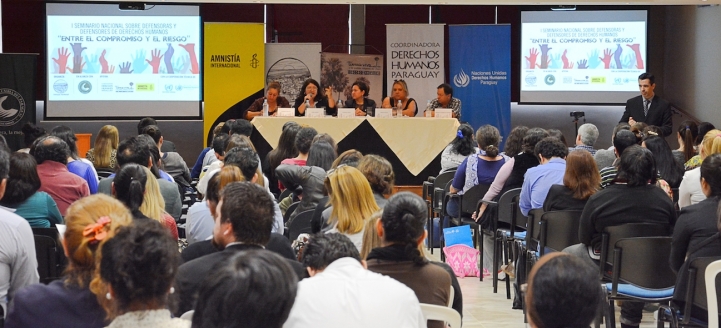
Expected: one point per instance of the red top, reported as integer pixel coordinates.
(64, 187)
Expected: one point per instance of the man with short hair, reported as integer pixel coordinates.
(606, 157)
(551, 154)
(51, 153)
(134, 150)
(167, 145)
(341, 291)
(242, 127)
(622, 140)
(445, 100)
(18, 264)
(587, 136)
(173, 163)
(648, 107)
(243, 221)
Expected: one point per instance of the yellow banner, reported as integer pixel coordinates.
(234, 60)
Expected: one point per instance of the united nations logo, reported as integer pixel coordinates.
(461, 80)
(12, 107)
(85, 87)
(60, 86)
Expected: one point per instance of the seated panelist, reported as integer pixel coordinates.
(274, 102)
(359, 93)
(400, 92)
(310, 93)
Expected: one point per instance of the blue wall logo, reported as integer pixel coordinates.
(461, 80)
(85, 87)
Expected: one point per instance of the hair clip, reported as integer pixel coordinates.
(96, 231)
(651, 133)
(459, 134)
(688, 128)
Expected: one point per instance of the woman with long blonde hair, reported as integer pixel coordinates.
(90, 222)
(153, 205)
(352, 202)
(690, 191)
(103, 155)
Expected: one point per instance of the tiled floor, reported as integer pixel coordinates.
(484, 309)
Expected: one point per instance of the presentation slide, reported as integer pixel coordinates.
(103, 62)
(582, 57)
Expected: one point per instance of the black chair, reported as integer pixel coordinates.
(434, 193)
(289, 211)
(104, 173)
(467, 204)
(695, 298)
(558, 230)
(439, 196)
(46, 250)
(300, 224)
(640, 273)
(612, 234)
(284, 194)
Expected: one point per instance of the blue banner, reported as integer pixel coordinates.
(480, 59)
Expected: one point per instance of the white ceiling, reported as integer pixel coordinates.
(452, 2)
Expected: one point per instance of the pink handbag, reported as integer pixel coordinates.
(463, 260)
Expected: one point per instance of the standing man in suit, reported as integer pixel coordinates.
(648, 108)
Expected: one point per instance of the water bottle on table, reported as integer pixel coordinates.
(429, 110)
(265, 107)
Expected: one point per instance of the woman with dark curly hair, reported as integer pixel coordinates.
(401, 229)
(379, 173)
(138, 267)
(461, 146)
(22, 193)
(514, 144)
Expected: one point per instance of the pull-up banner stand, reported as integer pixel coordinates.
(17, 96)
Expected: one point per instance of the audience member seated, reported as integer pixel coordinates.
(133, 150)
(310, 94)
(310, 177)
(285, 149)
(51, 153)
(580, 182)
(562, 292)
(220, 145)
(690, 191)
(349, 157)
(352, 202)
(18, 264)
(129, 188)
(244, 222)
(633, 198)
(235, 141)
(585, 138)
(514, 144)
(138, 267)
(153, 205)
(22, 195)
(91, 222)
(551, 153)
(173, 163)
(31, 132)
(400, 92)
(76, 165)
(273, 99)
(168, 145)
(379, 173)
(606, 157)
(695, 222)
(668, 168)
(477, 169)
(695, 161)
(210, 156)
(341, 291)
(303, 141)
(556, 133)
(461, 147)
(698, 222)
(402, 229)
(198, 166)
(623, 140)
(157, 166)
(103, 155)
(510, 175)
(359, 99)
(253, 288)
(686, 136)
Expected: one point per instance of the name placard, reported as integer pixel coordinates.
(315, 112)
(346, 112)
(384, 112)
(444, 113)
(286, 112)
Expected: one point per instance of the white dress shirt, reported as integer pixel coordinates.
(347, 295)
(18, 264)
(689, 192)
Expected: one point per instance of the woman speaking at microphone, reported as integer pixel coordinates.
(310, 95)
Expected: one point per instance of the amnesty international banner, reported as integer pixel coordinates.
(17, 96)
(480, 73)
(291, 64)
(234, 57)
(415, 55)
(342, 70)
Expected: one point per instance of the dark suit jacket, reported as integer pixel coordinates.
(191, 275)
(277, 243)
(659, 114)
